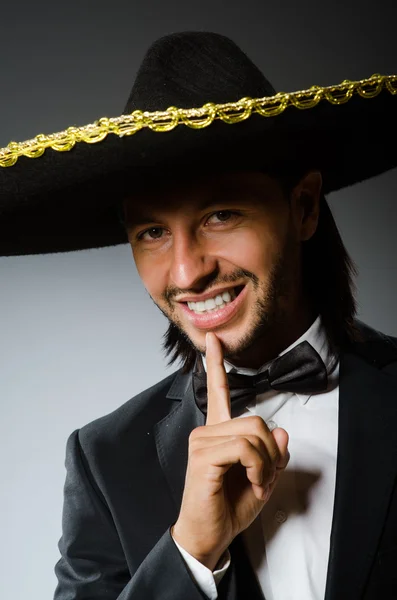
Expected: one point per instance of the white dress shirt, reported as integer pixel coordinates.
(288, 543)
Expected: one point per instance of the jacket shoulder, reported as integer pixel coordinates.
(375, 346)
(139, 412)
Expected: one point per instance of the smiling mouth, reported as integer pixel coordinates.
(216, 303)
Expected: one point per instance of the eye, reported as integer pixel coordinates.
(154, 233)
(224, 215)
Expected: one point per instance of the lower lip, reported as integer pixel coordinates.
(217, 317)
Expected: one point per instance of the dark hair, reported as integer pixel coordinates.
(328, 279)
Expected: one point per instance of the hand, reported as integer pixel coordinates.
(233, 467)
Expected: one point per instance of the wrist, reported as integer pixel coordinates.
(209, 559)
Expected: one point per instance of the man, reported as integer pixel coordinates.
(266, 466)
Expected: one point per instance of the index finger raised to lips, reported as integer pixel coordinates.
(218, 407)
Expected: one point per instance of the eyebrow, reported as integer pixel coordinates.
(144, 218)
(220, 194)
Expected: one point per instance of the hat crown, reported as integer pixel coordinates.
(189, 69)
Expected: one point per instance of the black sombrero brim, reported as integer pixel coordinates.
(67, 200)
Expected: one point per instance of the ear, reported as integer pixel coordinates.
(305, 204)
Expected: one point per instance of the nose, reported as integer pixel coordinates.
(191, 261)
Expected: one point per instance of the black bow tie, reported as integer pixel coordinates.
(299, 370)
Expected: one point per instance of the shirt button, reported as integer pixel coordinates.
(280, 516)
(271, 425)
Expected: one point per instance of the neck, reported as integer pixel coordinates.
(274, 340)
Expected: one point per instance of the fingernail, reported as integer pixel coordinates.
(208, 338)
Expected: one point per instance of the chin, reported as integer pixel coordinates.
(232, 339)
(231, 347)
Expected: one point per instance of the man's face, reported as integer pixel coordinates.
(219, 254)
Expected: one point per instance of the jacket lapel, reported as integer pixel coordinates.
(366, 471)
(172, 434)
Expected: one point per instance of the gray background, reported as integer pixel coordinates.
(78, 334)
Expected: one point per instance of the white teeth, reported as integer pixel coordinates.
(212, 304)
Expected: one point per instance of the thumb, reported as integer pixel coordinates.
(281, 438)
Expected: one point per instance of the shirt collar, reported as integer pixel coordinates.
(316, 336)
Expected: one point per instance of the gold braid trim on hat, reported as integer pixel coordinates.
(196, 118)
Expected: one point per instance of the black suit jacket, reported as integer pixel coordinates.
(125, 478)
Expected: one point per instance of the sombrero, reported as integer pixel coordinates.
(198, 105)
